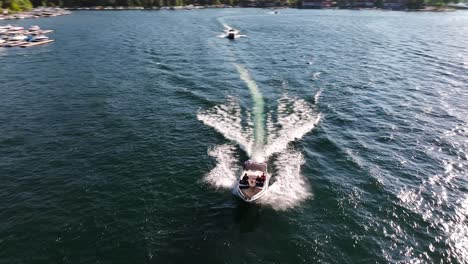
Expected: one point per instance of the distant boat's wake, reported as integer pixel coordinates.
(226, 29)
(261, 138)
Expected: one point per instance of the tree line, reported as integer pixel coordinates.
(17, 5)
(20, 5)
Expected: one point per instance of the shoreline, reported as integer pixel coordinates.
(191, 7)
(38, 12)
(56, 11)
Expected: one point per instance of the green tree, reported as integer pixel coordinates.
(438, 3)
(14, 6)
(17, 5)
(415, 4)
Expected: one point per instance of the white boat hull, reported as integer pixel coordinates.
(250, 187)
(238, 192)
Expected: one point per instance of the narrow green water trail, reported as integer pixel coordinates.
(257, 111)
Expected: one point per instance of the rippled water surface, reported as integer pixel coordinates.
(119, 143)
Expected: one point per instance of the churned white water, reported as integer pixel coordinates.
(261, 138)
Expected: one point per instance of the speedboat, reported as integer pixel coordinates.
(16, 28)
(6, 27)
(39, 38)
(232, 33)
(253, 182)
(34, 28)
(19, 37)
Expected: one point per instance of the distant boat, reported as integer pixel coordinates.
(34, 28)
(16, 28)
(253, 182)
(19, 37)
(232, 33)
(39, 38)
(6, 27)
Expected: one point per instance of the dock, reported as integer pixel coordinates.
(20, 37)
(35, 13)
(45, 31)
(13, 44)
(32, 44)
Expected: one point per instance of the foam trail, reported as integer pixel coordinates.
(289, 187)
(224, 174)
(227, 119)
(317, 96)
(316, 76)
(292, 120)
(226, 26)
(296, 117)
(258, 112)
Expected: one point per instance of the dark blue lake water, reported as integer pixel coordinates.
(120, 142)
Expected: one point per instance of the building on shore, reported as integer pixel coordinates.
(317, 4)
(273, 3)
(394, 4)
(363, 4)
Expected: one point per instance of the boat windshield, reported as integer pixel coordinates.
(256, 166)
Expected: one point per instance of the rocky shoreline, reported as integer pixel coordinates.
(42, 12)
(39, 12)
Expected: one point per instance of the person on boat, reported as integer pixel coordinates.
(261, 179)
(245, 179)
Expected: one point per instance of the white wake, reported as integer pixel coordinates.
(262, 135)
(290, 187)
(224, 174)
(227, 120)
(292, 119)
(295, 118)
